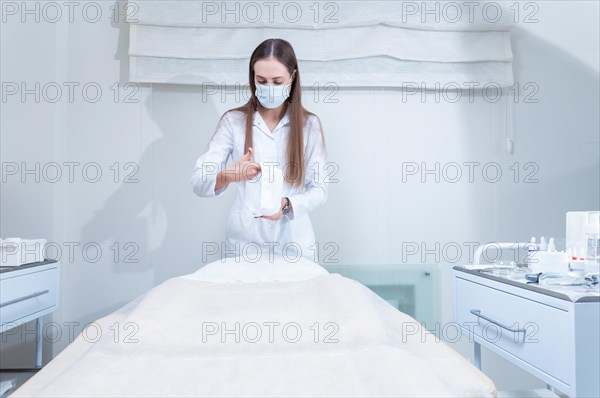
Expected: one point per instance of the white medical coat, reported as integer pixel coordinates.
(292, 235)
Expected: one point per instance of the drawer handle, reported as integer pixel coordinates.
(478, 314)
(29, 296)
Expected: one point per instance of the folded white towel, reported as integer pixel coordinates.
(17, 251)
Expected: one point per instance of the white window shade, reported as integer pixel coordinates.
(347, 43)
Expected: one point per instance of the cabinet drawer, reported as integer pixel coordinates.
(533, 332)
(26, 296)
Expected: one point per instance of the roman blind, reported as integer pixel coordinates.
(344, 43)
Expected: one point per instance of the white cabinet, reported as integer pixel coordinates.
(546, 333)
(28, 292)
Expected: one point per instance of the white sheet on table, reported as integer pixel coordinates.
(266, 269)
(372, 357)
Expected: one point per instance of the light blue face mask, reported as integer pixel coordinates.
(271, 96)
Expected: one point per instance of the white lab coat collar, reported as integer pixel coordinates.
(262, 126)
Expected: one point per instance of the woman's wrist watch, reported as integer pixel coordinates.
(286, 208)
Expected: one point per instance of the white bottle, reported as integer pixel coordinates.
(532, 249)
(543, 246)
(551, 245)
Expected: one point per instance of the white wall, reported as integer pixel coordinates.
(369, 134)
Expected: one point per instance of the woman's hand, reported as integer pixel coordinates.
(242, 170)
(277, 216)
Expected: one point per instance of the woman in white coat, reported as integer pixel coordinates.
(274, 127)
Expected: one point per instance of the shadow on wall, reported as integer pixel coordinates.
(160, 214)
(161, 218)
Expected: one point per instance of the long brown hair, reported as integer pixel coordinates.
(282, 50)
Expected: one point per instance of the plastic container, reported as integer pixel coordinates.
(583, 235)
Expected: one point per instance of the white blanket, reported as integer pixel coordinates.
(362, 347)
